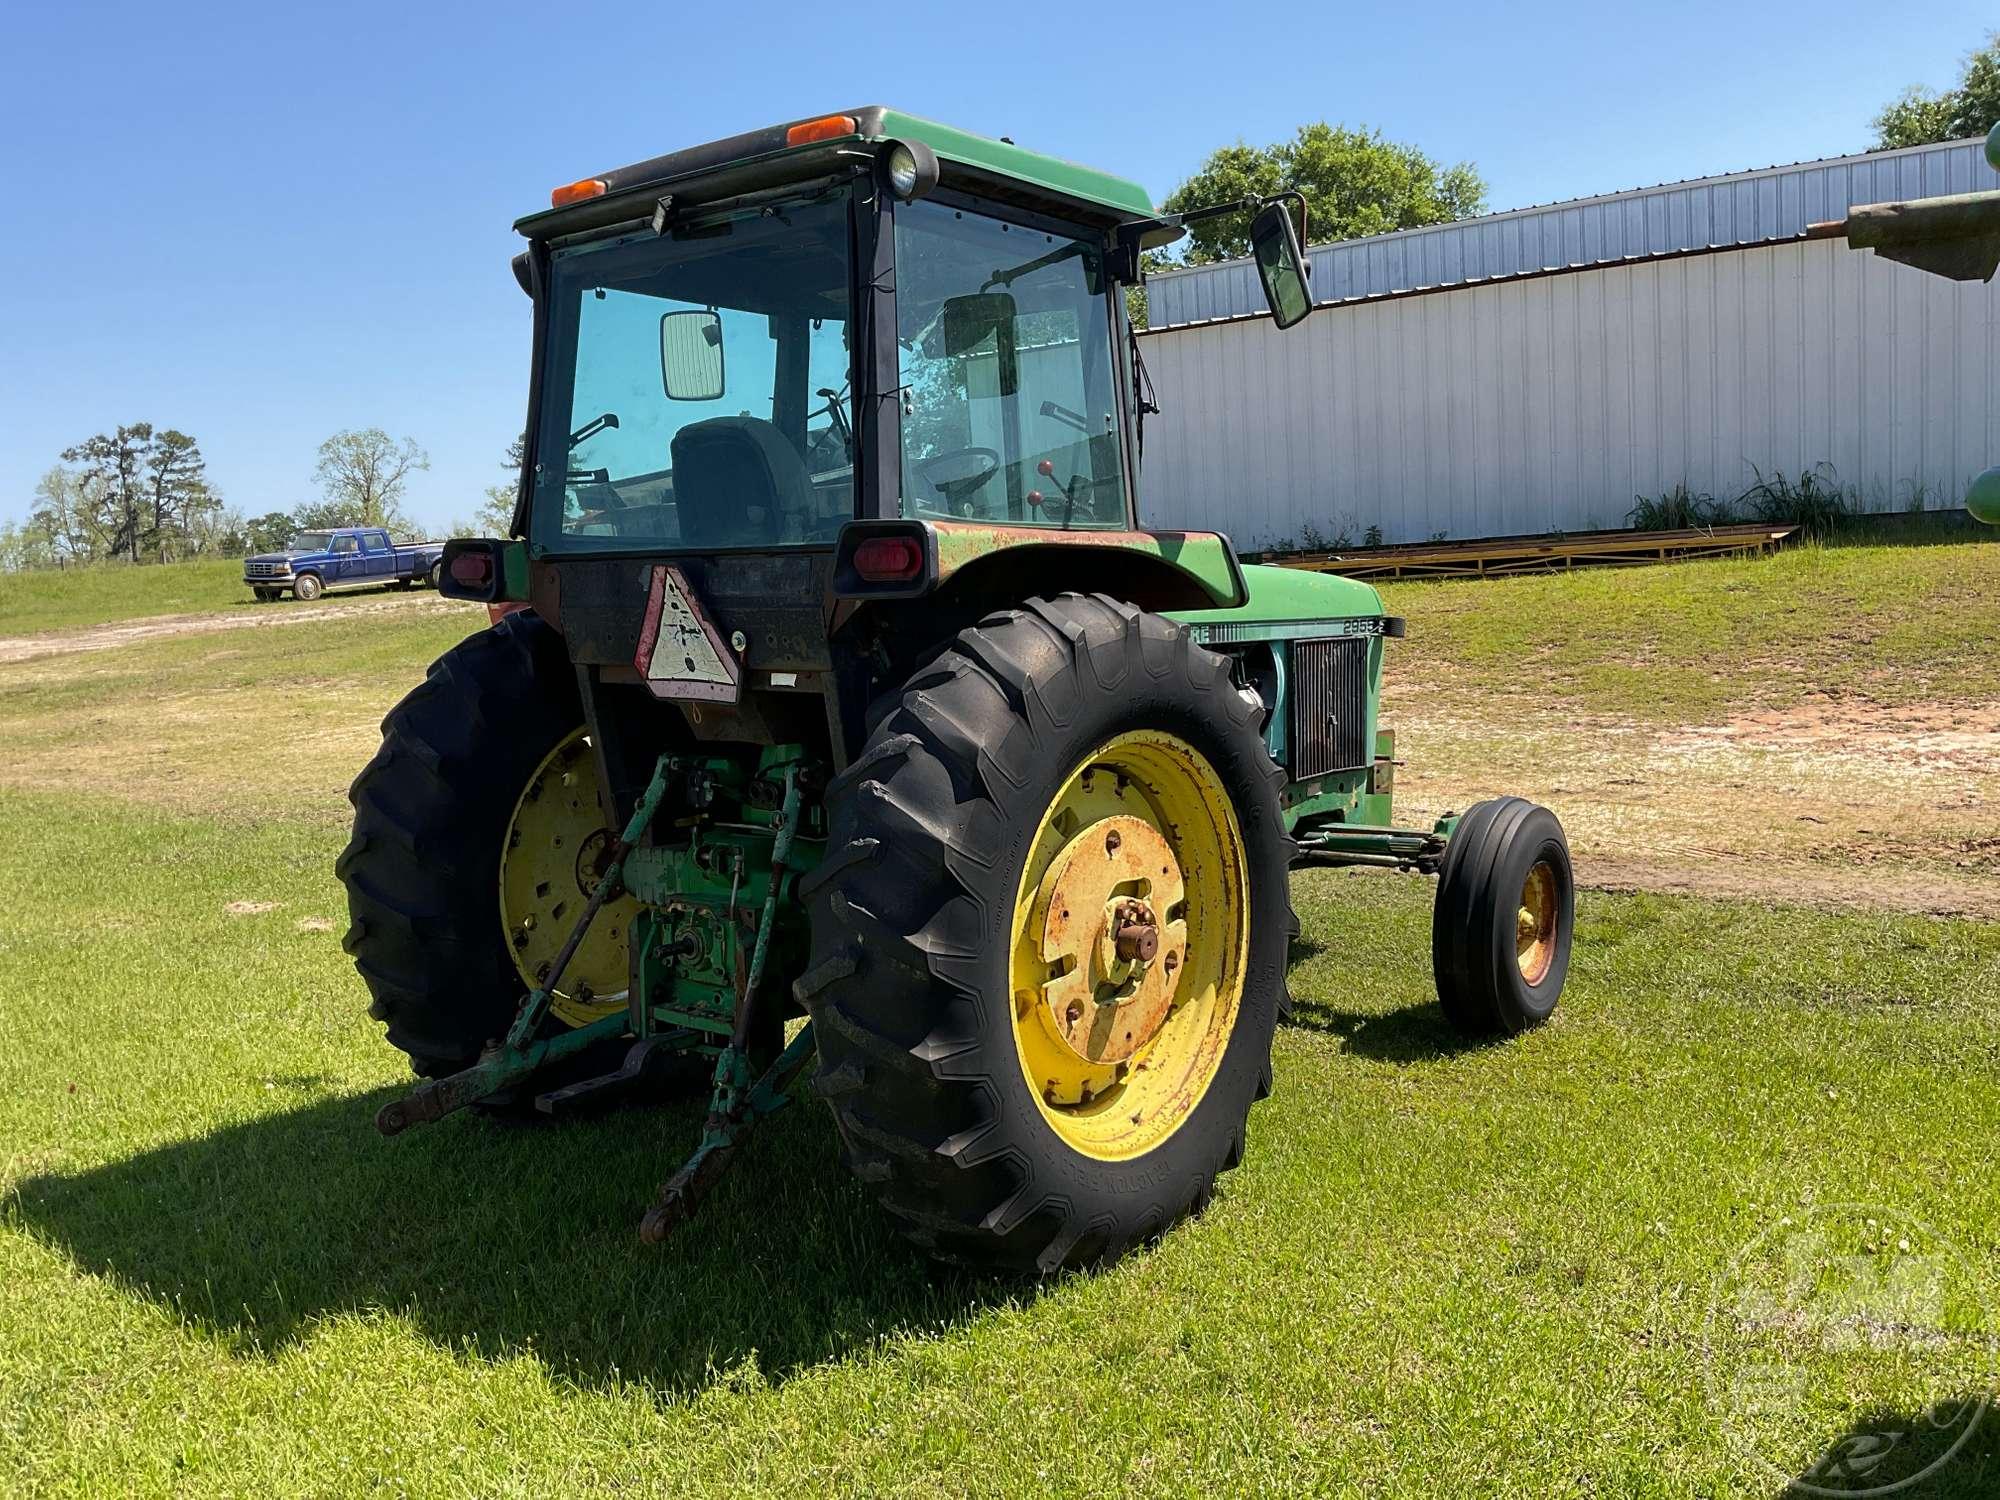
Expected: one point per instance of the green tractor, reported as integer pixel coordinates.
(843, 683)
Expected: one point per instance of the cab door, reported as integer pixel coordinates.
(378, 558)
(348, 566)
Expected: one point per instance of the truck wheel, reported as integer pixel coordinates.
(1049, 938)
(437, 574)
(1500, 932)
(307, 587)
(477, 840)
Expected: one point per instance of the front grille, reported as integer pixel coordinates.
(1329, 707)
(269, 570)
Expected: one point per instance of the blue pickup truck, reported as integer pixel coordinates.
(345, 557)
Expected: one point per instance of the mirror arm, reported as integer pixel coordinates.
(1299, 198)
(1141, 235)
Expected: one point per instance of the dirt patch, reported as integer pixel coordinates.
(249, 908)
(314, 924)
(1833, 801)
(20, 648)
(1939, 736)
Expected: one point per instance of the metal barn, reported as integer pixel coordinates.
(1536, 370)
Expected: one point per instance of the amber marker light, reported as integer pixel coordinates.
(576, 192)
(825, 128)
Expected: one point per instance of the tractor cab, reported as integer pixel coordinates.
(859, 358)
(858, 317)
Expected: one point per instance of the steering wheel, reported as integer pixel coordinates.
(975, 466)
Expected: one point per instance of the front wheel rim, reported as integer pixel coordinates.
(1130, 944)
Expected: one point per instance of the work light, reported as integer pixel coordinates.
(909, 168)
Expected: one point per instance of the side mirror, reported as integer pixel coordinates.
(1281, 264)
(965, 324)
(691, 355)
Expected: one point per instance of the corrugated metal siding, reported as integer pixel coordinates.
(1746, 208)
(1547, 404)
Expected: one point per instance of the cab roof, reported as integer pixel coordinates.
(973, 156)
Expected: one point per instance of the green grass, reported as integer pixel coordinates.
(53, 599)
(65, 598)
(1894, 622)
(1440, 1271)
(250, 724)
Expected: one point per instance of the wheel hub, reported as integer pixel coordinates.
(593, 858)
(1535, 923)
(1111, 960)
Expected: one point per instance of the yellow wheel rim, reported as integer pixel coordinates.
(550, 860)
(1131, 937)
(1535, 923)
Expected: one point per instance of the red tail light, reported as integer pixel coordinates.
(473, 570)
(889, 559)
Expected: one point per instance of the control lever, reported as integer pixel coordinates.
(1047, 470)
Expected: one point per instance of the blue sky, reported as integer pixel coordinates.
(262, 224)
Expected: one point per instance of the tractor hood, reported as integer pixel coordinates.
(1291, 595)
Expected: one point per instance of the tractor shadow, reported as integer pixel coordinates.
(1924, 1454)
(1412, 1034)
(497, 1239)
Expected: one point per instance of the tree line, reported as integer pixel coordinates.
(141, 493)
(1971, 107)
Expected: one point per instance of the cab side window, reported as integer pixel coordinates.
(1009, 394)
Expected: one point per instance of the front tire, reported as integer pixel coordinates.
(494, 729)
(307, 587)
(1505, 913)
(984, 800)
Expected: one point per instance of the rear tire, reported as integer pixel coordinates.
(915, 923)
(437, 574)
(1505, 912)
(307, 587)
(431, 812)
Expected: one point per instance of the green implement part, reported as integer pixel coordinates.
(1983, 498)
(1956, 237)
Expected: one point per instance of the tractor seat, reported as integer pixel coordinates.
(738, 483)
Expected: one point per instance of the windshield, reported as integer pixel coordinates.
(696, 393)
(1010, 399)
(312, 541)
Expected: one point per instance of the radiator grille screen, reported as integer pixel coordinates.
(1329, 707)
